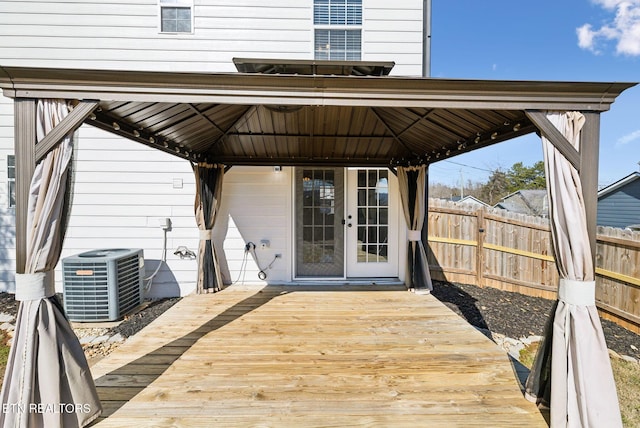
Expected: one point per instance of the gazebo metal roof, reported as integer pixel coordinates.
(268, 119)
(300, 119)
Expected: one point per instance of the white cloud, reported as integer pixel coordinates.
(626, 139)
(624, 28)
(585, 37)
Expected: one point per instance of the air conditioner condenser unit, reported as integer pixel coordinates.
(102, 285)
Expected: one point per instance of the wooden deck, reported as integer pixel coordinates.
(310, 356)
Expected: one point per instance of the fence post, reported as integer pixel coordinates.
(480, 247)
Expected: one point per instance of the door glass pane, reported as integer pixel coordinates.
(362, 197)
(319, 251)
(373, 192)
(373, 178)
(384, 216)
(362, 179)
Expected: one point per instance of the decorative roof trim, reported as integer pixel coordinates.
(618, 184)
(237, 88)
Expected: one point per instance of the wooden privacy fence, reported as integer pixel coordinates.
(496, 248)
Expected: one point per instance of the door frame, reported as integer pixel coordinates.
(354, 268)
(400, 232)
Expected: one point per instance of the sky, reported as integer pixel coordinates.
(564, 40)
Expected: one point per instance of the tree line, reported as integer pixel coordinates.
(500, 184)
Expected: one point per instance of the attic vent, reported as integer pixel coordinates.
(313, 67)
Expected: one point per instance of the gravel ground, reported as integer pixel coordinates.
(98, 341)
(130, 325)
(139, 320)
(518, 316)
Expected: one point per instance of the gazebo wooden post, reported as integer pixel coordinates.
(25, 153)
(589, 155)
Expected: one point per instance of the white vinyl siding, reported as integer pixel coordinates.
(7, 215)
(392, 31)
(126, 34)
(256, 202)
(124, 189)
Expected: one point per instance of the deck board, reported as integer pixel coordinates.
(310, 356)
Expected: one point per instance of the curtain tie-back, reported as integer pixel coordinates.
(205, 235)
(579, 293)
(414, 235)
(35, 286)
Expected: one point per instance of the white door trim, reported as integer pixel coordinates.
(353, 270)
(386, 267)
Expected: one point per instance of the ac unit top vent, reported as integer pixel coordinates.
(109, 252)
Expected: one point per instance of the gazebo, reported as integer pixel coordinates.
(301, 113)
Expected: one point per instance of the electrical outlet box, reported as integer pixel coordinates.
(264, 244)
(165, 223)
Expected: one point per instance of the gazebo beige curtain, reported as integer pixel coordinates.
(47, 380)
(572, 372)
(412, 182)
(209, 179)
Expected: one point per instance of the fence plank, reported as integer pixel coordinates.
(490, 247)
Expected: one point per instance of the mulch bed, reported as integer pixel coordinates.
(516, 315)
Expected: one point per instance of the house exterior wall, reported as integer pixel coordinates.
(7, 215)
(123, 190)
(257, 205)
(124, 34)
(620, 208)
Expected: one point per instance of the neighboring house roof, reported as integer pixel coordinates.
(618, 184)
(470, 200)
(530, 202)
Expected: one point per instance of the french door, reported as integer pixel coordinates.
(372, 213)
(345, 223)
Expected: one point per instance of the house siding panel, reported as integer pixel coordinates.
(124, 189)
(125, 34)
(620, 208)
(256, 201)
(392, 31)
(7, 215)
(112, 208)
